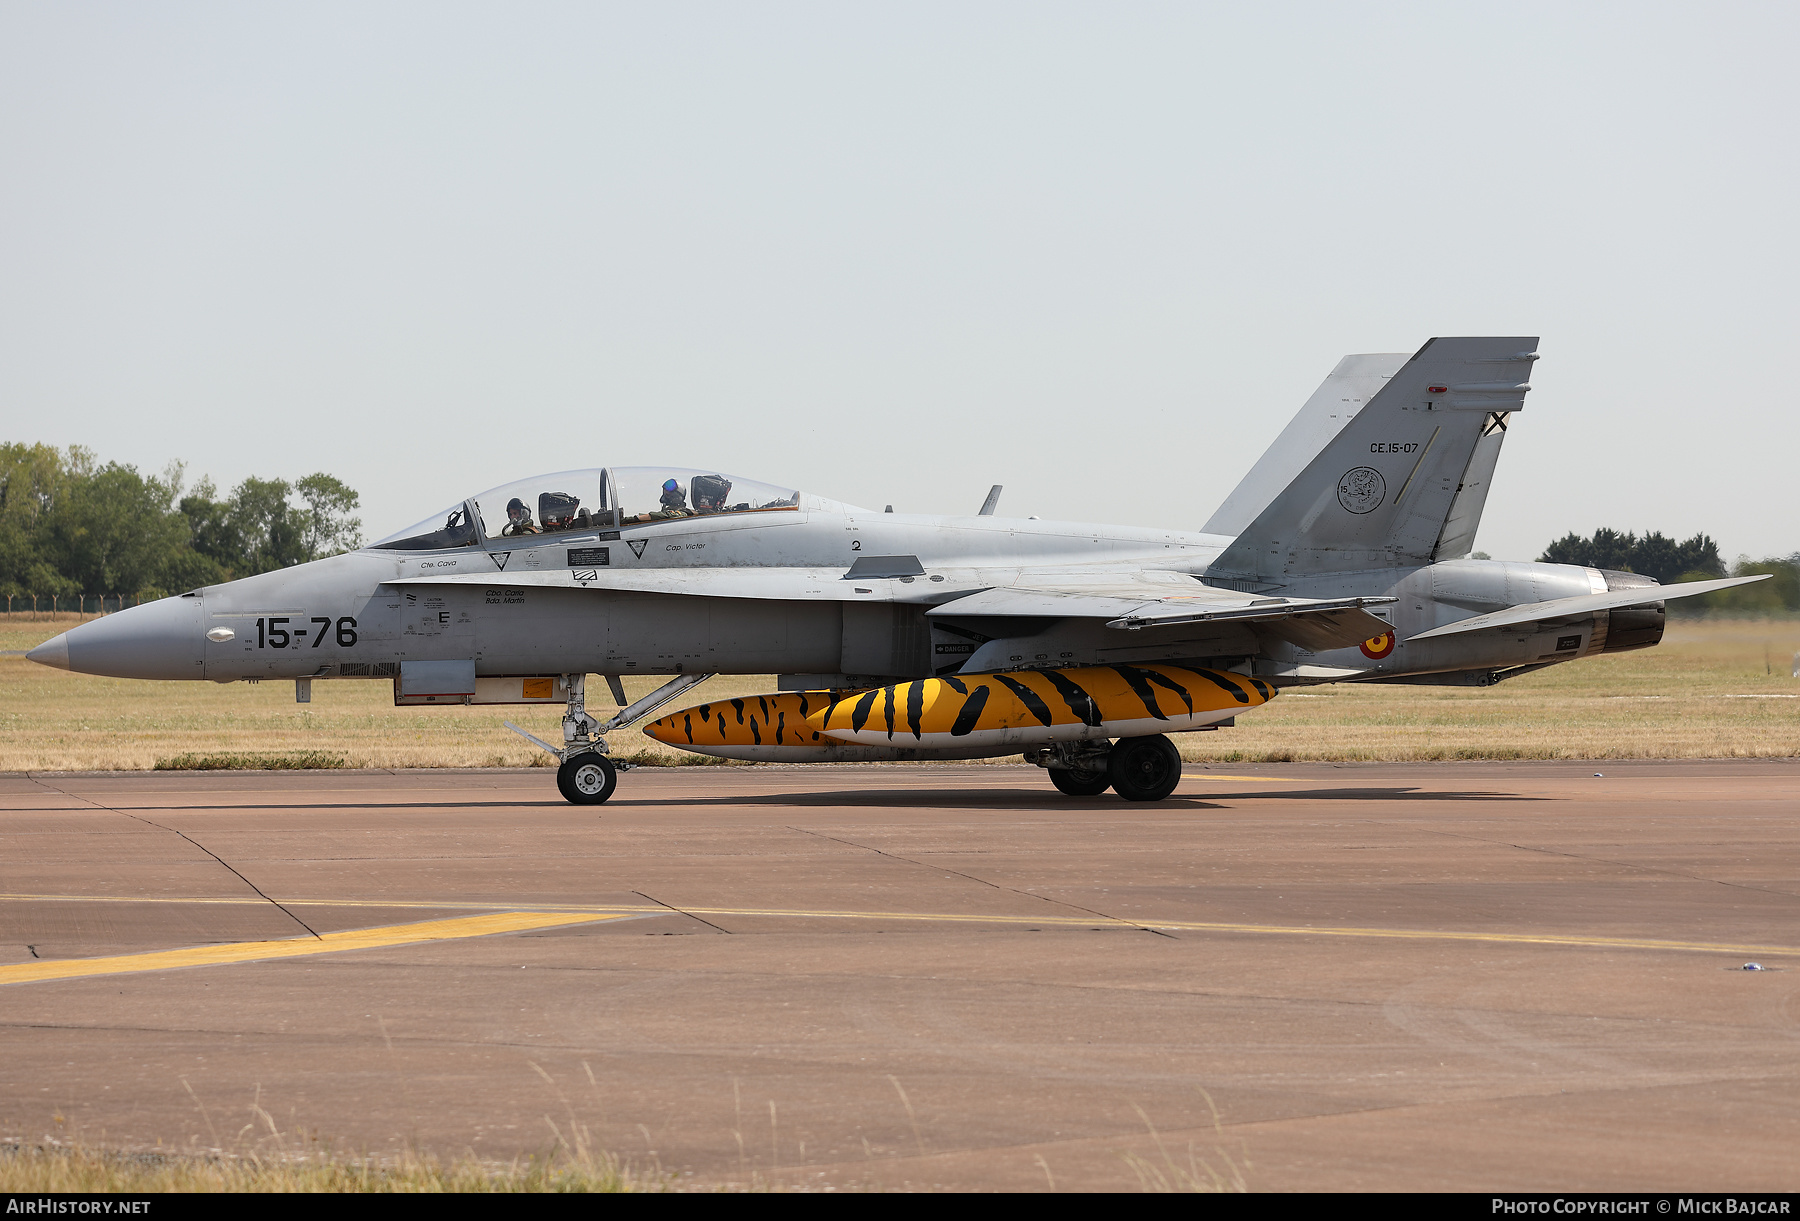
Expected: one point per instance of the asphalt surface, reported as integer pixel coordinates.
(1439, 976)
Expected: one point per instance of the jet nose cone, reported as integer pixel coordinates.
(53, 652)
(160, 639)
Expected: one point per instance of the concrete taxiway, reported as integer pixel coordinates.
(1434, 976)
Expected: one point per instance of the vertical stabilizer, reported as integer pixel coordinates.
(1458, 538)
(1337, 401)
(1381, 492)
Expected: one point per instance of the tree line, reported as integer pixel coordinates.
(1697, 559)
(70, 525)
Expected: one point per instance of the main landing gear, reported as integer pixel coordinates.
(1080, 784)
(588, 775)
(1137, 769)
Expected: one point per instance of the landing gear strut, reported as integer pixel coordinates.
(588, 775)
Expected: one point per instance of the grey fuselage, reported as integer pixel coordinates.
(784, 593)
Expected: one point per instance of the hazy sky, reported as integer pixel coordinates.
(1099, 253)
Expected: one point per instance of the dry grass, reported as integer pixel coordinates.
(1704, 693)
(296, 761)
(1708, 691)
(251, 1153)
(88, 1171)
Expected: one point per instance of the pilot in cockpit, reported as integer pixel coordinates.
(674, 504)
(518, 519)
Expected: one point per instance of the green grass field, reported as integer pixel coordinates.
(1713, 689)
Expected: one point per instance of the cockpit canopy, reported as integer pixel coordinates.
(609, 498)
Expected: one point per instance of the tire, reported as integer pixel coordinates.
(588, 779)
(1144, 769)
(1080, 784)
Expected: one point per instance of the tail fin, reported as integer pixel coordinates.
(1383, 491)
(1458, 536)
(1337, 401)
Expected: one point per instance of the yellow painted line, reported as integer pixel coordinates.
(554, 914)
(329, 943)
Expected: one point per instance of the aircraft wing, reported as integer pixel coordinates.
(1133, 602)
(1587, 604)
(1128, 601)
(1058, 593)
(778, 583)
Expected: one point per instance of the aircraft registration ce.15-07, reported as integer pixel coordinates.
(1339, 557)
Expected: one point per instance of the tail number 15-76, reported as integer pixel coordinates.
(273, 632)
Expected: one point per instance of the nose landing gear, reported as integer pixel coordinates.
(588, 775)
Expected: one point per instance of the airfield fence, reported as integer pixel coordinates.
(70, 604)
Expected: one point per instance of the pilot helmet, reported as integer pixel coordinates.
(516, 508)
(671, 492)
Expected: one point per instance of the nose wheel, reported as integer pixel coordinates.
(587, 779)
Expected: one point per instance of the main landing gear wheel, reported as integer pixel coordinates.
(1143, 769)
(1080, 784)
(588, 779)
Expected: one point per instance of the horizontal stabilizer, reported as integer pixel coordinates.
(1587, 604)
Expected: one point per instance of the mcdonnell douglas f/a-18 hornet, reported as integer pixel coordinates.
(1340, 557)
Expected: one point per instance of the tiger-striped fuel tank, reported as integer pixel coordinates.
(773, 729)
(1028, 707)
(965, 717)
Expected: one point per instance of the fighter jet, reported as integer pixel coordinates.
(1341, 557)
